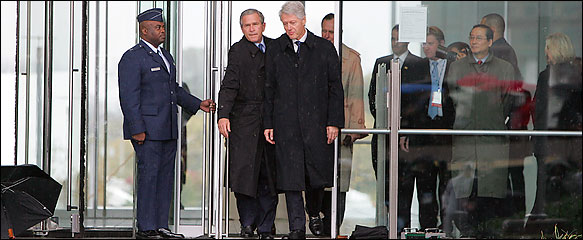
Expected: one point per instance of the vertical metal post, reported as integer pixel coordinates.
(226, 43)
(334, 207)
(382, 122)
(48, 87)
(213, 156)
(17, 82)
(94, 177)
(27, 90)
(395, 113)
(105, 101)
(227, 195)
(178, 165)
(70, 120)
(205, 160)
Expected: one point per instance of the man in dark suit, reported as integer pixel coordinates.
(251, 160)
(433, 152)
(304, 109)
(413, 72)
(148, 95)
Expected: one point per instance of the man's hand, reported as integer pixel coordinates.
(225, 127)
(347, 140)
(404, 143)
(460, 56)
(140, 137)
(208, 105)
(269, 135)
(332, 133)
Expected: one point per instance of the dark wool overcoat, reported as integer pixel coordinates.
(303, 95)
(241, 101)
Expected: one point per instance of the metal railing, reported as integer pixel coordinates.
(423, 132)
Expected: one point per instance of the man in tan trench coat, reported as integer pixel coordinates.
(352, 83)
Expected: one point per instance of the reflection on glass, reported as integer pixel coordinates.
(558, 107)
(496, 99)
(192, 125)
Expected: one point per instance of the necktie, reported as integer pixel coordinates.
(432, 111)
(261, 48)
(479, 62)
(164, 59)
(299, 44)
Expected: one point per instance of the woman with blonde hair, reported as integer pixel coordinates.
(557, 103)
(559, 49)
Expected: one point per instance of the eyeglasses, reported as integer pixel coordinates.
(479, 38)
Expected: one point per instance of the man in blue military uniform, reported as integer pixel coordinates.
(149, 94)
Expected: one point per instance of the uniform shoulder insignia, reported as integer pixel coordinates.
(138, 46)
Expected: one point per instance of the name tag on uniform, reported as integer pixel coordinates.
(436, 100)
(155, 69)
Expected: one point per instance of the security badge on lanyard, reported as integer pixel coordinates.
(436, 95)
(436, 98)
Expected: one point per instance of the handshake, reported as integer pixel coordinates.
(208, 105)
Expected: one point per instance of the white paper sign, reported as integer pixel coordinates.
(412, 24)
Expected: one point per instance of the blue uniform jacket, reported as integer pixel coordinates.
(148, 94)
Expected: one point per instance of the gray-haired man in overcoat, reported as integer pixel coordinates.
(304, 110)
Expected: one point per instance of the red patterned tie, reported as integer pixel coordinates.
(479, 62)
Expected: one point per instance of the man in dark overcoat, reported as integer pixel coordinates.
(303, 112)
(148, 95)
(251, 160)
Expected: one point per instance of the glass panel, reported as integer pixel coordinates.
(119, 157)
(361, 197)
(21, 85)
(487, 186)
(60, 105)
(30, 108)
(114, 157)
(192, 125)
(8, 81)
(110, 163)
(30, 89)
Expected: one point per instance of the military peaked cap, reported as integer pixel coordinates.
(154, 14)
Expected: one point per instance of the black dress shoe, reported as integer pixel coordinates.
(166, 233)
(316, 226)
(150, 234)
(296, 234)
(247, 231)
(266, 236)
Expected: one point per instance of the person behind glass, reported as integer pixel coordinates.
(413, 71)
(433, 152)
(500, 47)
(557, 103)
(352, 83)
(479, 87)
(251, 159)
(303, 113)
(519, 117)
(148, 95)
(460, 48)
